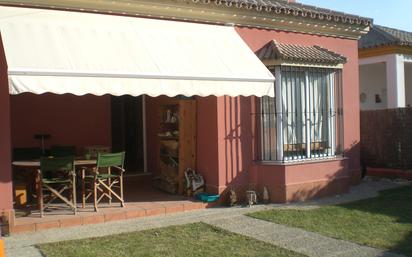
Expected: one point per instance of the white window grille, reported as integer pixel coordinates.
(304, 119)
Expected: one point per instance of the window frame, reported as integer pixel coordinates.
(334, 117)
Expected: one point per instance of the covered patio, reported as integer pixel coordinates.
(109, 82)
(142, 200)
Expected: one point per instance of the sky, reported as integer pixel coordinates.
(391, 13)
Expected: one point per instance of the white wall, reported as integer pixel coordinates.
(373, 82)
(408, 84)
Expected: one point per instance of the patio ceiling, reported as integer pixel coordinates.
(81, 53)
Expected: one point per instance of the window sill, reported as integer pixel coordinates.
(301, 162)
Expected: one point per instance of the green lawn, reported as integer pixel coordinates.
(383, 222)
(188, 240)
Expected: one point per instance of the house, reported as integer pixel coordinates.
(385, 59)
(113, 72)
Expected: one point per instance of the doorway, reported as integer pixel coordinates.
(128, 131)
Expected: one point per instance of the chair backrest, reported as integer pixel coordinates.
(58, 165)
(63, 151)
(105, 160)
(24, 154)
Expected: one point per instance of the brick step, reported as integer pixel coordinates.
(23, 225)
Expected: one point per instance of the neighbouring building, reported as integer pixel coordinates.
(385, 66)
(273, 88)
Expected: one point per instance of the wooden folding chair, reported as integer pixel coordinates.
(56, 175)
(105, 178)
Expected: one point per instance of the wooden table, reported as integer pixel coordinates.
(36, 163)
(33, 166)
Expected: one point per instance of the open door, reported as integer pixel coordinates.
(128, 131)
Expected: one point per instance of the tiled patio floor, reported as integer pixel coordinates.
(141, 200)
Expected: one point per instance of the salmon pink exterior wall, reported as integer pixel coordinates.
(256, 38)
(6, 202)
(297, 182)
(234, 141)
(303, 181)
(238, 165)
(70, 120)
(224, 142)
(207, 142)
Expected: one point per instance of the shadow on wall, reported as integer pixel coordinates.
(354, 169)
(237, 144)
(238, 158)
(335, 183)
(237, 127)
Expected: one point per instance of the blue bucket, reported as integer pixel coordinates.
(205, 197)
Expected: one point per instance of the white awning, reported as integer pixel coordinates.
(81, 53)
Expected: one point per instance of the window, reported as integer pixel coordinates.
(304, 120)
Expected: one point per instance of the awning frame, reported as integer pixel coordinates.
(80, 74)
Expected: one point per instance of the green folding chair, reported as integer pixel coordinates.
(55, 177)
(106, 179)
(63, 150)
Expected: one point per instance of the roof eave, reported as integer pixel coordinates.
(167, 9)
(384, 50)
(297, 9)
(272, 63)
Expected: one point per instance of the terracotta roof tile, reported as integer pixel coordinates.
(299, 53)
(382, 36)
(293, 9)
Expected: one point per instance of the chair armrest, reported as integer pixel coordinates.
(119, 169)
(72, 173)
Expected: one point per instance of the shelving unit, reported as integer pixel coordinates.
(176, 143)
